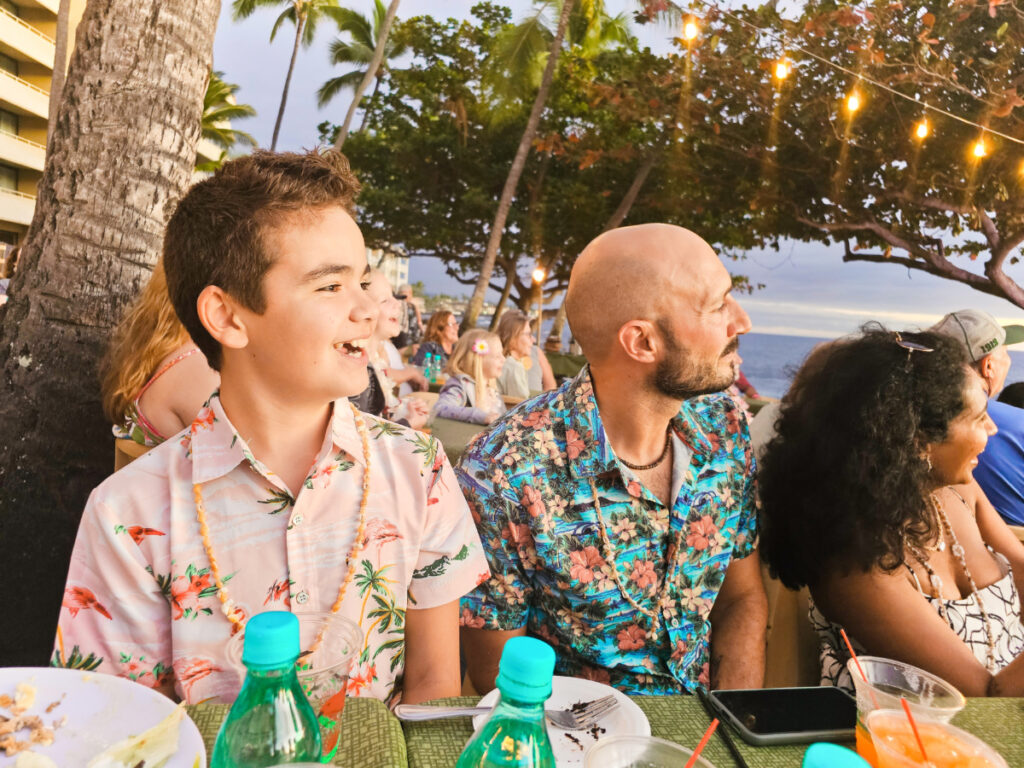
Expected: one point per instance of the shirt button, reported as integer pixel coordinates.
(302, 597)
(675, 623)
(297, 520)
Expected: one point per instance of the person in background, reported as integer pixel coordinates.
(411, 321)
(618, 511)
(154, 379)
(526, 370)
(867, 498)
(1000, 470)
(379, 397)
(470, 393)
(439, 338)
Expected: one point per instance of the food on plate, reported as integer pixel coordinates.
(149, 749)
(34, 760)
(11, 727)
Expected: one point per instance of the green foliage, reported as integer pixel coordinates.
(220, 109)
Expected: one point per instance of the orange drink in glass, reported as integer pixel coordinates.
(946, 746)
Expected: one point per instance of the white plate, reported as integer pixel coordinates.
(100, 709)
(627, 719)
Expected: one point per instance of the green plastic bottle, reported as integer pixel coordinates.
(516, 734)
(271, 721)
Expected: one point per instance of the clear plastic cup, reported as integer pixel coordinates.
(324, 673)
(638, 752)
(928, 695)
(946, 746)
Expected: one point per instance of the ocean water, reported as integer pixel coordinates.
(769, 360)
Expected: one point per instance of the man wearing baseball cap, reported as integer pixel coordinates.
(1000, 470)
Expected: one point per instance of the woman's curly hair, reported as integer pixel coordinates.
(844, 482)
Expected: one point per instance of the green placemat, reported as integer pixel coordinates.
(371, 737)
(437, 744)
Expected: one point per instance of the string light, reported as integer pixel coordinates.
(538, 275)
(782, 69)
(923, 129)
(979, 149)
(690, 29)
(853, 101)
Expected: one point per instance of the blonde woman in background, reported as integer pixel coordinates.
(154, 379)
(527, 370)
(470, 393)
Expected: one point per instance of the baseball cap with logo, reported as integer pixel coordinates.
(978, 331)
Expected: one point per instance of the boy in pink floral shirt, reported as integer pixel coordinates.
(280, 496)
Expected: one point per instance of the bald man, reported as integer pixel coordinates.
(618, 511)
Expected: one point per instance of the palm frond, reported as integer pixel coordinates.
(225, 112)
(336, 85)
(243, 9)
(288, 14)
(512, 64)
(343, 52)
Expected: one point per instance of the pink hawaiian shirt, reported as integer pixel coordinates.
(140, 601)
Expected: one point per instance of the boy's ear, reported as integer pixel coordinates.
(219, 314)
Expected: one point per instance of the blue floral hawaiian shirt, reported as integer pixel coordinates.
(530, 484)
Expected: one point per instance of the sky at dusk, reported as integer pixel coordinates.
(808, 290)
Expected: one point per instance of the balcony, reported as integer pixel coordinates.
(51, 5)
(16, 207)
(23, 41)
(21, 96)
(14, 150)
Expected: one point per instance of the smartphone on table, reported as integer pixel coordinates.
(764, 716)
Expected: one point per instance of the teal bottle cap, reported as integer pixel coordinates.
(823, 755)
(525, 671)
(271, 640)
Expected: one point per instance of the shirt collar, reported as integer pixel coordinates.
(217, 448)
(584, 417)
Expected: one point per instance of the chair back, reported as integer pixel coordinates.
(1018, 531)
(127, 451)
(791, 652)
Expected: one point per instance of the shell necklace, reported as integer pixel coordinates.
(235, 614)
(958, 551)
(664, 601)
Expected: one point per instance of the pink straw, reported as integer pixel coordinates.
(703, 741)
(913, 726)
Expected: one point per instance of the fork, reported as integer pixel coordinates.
(572, 719)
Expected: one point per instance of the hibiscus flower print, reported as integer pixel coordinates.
(82, 599)
(643, 574)
(137, 532)
(469, 619)
(204, 419)
(185, 594)
(702, 533)
(624, 529)
(584, 561)
(574, 444)
(537, 419)
(631, 638)
(361, 678)
(532, 500)
(634, 489)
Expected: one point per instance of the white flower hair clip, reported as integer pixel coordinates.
(480, 347)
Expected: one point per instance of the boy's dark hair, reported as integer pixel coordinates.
(217, 235)
(1013, 395)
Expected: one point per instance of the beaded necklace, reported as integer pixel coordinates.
(233, 613)
(958, 551)
(609, 556)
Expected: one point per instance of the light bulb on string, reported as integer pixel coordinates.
(853, 101)
(979, 149)
(782, 69)
(923, 129)
(538, 275)
(690, 29)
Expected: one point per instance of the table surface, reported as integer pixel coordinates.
(373, 738)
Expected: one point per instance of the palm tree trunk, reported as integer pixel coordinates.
(60, 63)
(371, 72)
(288, 80)
(505, 292)
(107, 188)
(615, 220)
(476, 301)
(371, 105)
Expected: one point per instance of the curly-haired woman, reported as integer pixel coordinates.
(869, 500)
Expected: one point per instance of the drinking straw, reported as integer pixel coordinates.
(723, 734)
(703, 740)
(913, 727)
(853, 655)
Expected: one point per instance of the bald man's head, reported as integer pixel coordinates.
(636, 273)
